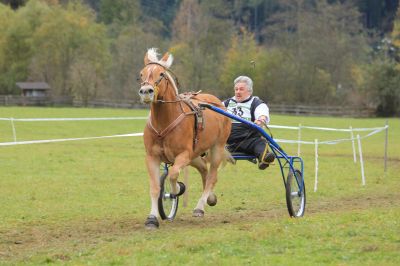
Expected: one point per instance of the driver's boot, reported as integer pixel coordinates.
(265, 159)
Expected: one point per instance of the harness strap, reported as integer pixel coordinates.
(170, 127)
(198, 114)
(196, 111)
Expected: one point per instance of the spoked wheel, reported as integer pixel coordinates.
(295, 194)
(168, 202)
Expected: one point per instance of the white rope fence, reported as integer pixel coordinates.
(69, 139)
(299, 142)
(73, 119)
(61, 119)
(373, 131)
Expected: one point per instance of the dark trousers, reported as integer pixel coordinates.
(253, 146)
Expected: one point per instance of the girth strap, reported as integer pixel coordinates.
(197, 111)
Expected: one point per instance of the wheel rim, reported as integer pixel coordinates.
(297, 196)
(169, 202)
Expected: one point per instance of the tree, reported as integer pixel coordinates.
(242, 58)
(117, 14)
(198, 43)
(163, 11)
(382, 75)
(382, 79)
(14, 4)
(395, 35)
(128, 51)
(16, 50)
(72, 45)
(322, 41)
(269, 68)
(6, 19)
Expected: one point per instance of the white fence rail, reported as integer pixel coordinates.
(299, 141)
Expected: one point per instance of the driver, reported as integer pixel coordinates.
(243, 138)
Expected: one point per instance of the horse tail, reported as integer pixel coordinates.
(227, 158)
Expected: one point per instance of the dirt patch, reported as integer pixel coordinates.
(26, 241)
(18, 243)
(354, 203)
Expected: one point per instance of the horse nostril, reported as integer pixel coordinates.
(147, 90)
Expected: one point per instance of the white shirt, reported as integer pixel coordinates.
(242, 109)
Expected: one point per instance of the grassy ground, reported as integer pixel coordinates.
(85, 202)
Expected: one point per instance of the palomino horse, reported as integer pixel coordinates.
(178, 132)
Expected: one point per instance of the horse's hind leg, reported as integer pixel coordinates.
(216, 154)
(201, 166)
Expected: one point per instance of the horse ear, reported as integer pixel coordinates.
(167, 59)
(146, 58)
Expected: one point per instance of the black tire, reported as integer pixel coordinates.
(295, 198)
(167, 203)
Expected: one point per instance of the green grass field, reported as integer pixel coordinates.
(85, 202)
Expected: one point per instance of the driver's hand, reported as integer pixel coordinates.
(259, 122)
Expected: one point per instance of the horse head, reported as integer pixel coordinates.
(155, 76)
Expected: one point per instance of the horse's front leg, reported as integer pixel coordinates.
(181, 161)
(153, 168)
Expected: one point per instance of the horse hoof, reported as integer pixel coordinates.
(151, 222)
(182, 189)
(212, 199)
(198, 213)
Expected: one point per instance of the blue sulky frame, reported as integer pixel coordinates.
(294, 181)
(285, 161)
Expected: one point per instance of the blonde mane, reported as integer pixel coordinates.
(152, 55)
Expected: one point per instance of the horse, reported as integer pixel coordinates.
(178, 132)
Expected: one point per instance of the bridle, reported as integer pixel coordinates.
(169, 76)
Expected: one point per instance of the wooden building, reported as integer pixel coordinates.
(34, 89)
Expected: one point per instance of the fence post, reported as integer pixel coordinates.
(298, 139)
(353, 144)
(13, 129)
(361, 160)
(316, 165)
(386, 143)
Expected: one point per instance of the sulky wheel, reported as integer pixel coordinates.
(167, 202)
(295, 196)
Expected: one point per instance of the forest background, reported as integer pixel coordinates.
(325, 52)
